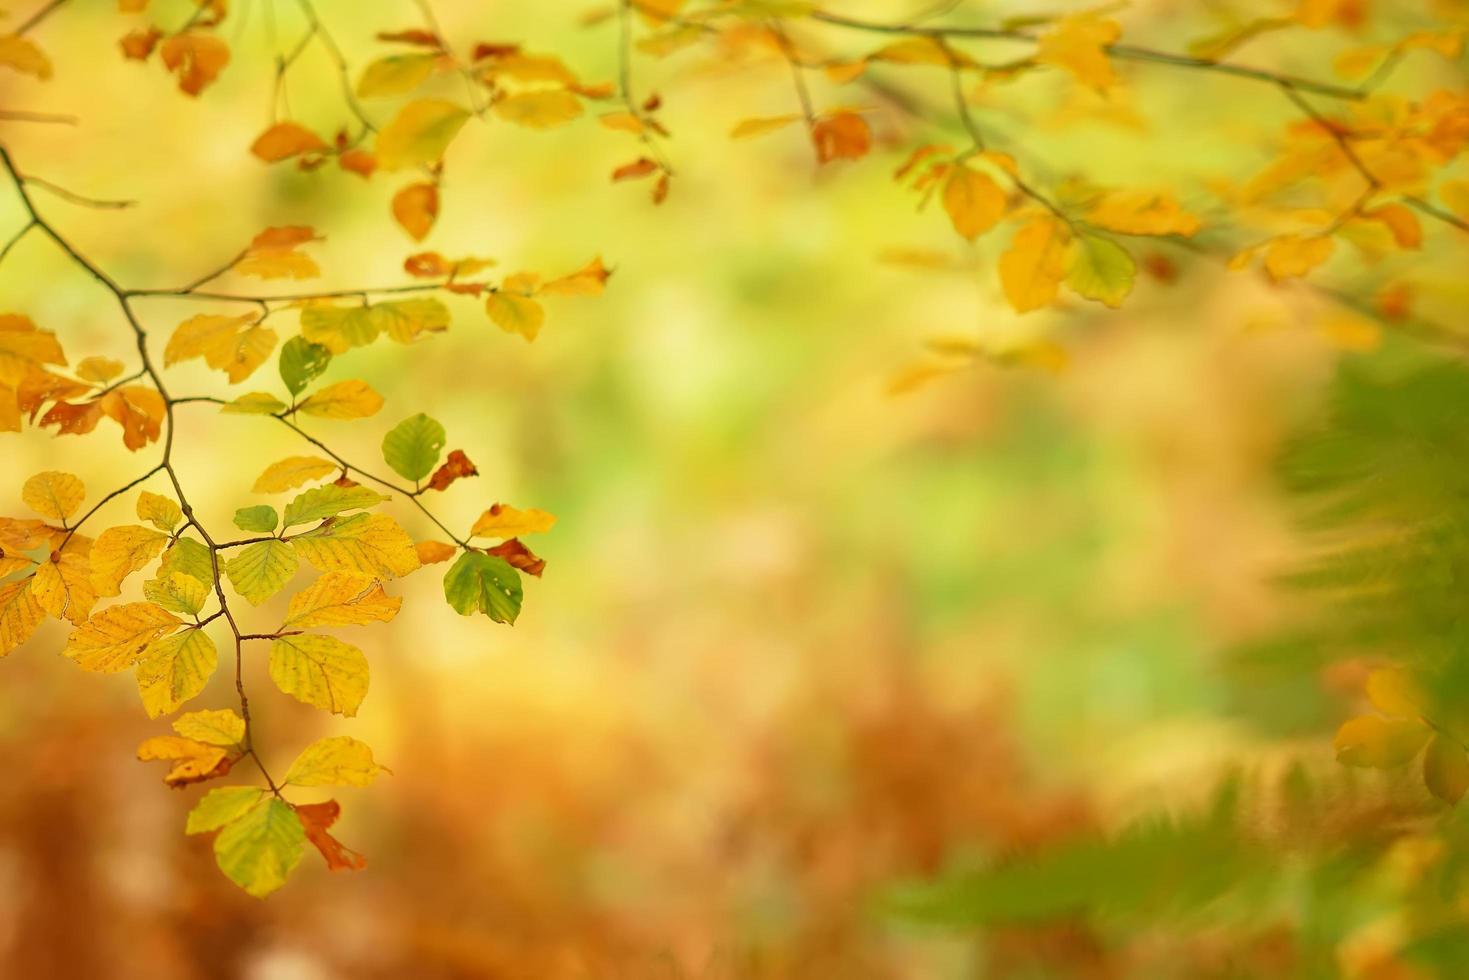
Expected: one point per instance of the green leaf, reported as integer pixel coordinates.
(412, 447)
(484, 583)
(302, 362)
(321, 671)
(222, 806)
(1101, 269)
(319, 503)
(340, 328)
(258, 850)
(262, 569)
(261, 517)
(335, 761)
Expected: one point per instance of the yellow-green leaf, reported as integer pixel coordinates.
(1101, 270)
(321, 671)
(174, 670)
(261, 569)
(1446, 769)
(222, 806)
(420, 133)
(258, 850)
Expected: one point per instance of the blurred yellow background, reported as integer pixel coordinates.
(798, 639)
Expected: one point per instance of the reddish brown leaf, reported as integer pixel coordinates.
(519, 556)
(455, 466)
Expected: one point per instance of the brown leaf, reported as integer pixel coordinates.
(196, 58)
(457, 465)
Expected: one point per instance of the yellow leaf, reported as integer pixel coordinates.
(285, 140)
(1446, 770)
(275, 254)
(99, 369)
(395, 75)
(291, 472)
(341, 598)
(343, 400)
(588, 281)
(1032, 269)
(749, 128)
(254, 403)
(419, 134)
(23, 56)
(120, 551)
(63, 582)
(159, 511)
(20, 614)
(415, 208)
(193, 761)
(53, 494)
(539, 110)
(433, 552)
(222, 727)
(233, 344)
(1293, 256)
(372, 544)
(335, 761)
(116, 637)
(1142, 213)
(975, 203)
(624, 122)
(1375, 742)
(515, 314)
(1455, 194)
(321, 671)
(504, 521)
(1078, 44)
(1395, 693)
(174, 670)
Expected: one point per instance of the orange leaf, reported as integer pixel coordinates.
(316, 819)
(842, 135)
(416, 207)
(640, 167)
(196, 58)
(285, 140)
